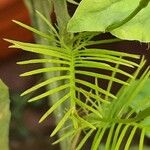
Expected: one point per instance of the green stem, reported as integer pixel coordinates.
(141, 143)
(75, 140)
(110, 84)
(142, 5)
(62, 16)
(108, 41)
(72, 82)
(45, 8)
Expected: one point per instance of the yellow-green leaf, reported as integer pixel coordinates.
(4, 116)
(101, 15)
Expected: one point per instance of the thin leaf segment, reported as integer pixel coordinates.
(88, 103)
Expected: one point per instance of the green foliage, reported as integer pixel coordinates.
(4, 116)
(141, 101)
(125, 19)
(118, 117)
(72, 2)
(91, 109)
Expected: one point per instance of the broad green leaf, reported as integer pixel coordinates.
(137, 28)
(143, 114)
(129, 94)
(146, 123)
(99, 15)
(142, 100)
(4, 116)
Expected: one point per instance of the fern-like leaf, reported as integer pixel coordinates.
(76, 64)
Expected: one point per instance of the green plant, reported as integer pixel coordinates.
(75, 72)
(4, 116)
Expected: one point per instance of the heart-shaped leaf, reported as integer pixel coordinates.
(98, 15)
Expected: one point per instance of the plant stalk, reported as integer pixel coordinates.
(5, 115)
(46, 8)
(62, 16)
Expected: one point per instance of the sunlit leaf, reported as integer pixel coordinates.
(99, 15)
(4, 116)
(142, 100)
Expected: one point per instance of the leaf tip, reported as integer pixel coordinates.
(29, 101)
(19, 63)
(15, 21)
(22, 94)
(41, 120)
